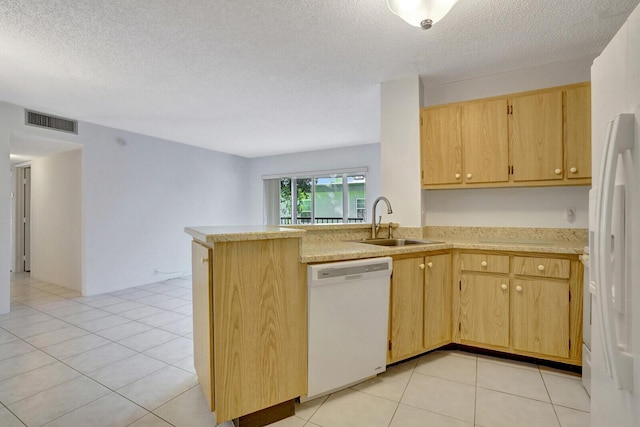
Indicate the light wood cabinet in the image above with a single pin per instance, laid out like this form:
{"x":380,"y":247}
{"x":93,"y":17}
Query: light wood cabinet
{"x":441,"y":145}
{"x":250,"y":324}
{"x":420,"y":305}
{"x":537,"y":138}
{"x":521,"y":303}
{"x":484,"y":309}
{"x":542,"y":267}
{"x":437,"y":301}
{"x":485,"y":142}
{"x":407,"y":308}
{"x":540,"y":316}
{"x":578,"y":132}
{"x":535,"y":133}
{"x":484,"y":262}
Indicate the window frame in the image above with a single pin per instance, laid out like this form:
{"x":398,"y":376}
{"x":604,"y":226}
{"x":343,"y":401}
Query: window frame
{"x":313,"y":175}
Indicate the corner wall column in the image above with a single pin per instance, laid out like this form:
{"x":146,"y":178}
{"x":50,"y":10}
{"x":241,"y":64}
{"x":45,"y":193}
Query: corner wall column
{"x":400,"y":102}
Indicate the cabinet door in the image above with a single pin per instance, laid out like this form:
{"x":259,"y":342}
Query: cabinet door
{"x":441,"y":145}
{"x":536,"y":137}
{"x":437,"y":300}
{"x":540,"y":317}
{"x":485,"y":141}
{"x":578,"y":132}
{"x":484,"y":309}
{"x":201,"y":280}
{"x":406,"y":317}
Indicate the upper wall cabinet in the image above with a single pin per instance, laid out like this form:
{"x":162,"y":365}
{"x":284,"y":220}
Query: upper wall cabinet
{"x":578,"y":132}
{"x":441,"y":145}
{"x":538,"y":138}
{"x":486,"y":157}
{"x":535,"y":132}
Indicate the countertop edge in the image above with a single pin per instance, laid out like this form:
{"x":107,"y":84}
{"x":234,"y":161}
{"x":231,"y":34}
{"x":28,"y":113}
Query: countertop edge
{"x":238,"y":234}
{"x":375,"y":251}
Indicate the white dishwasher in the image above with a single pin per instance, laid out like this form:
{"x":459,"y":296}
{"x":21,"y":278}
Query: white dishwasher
{"x":348,"y":323}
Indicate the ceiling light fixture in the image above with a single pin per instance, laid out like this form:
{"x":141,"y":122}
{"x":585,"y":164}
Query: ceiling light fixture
{"x":421,"y":13}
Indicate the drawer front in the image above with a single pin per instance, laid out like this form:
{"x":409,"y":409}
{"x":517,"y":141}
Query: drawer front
{"x":542,"y":267}
{"x":485,"y":263}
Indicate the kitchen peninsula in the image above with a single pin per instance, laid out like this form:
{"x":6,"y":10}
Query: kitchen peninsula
{"x":249,"y":321}
{"x":502,"y":289}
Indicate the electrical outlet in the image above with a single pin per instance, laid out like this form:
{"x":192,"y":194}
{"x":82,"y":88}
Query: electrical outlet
{"x":155,"y":271}
{"x":570,"y":214}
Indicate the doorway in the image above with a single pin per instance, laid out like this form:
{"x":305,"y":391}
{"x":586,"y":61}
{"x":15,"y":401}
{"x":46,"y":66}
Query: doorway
{"x":23,"y":219}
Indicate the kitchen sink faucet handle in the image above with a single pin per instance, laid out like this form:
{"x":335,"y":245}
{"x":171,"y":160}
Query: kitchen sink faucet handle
{"x":391,"y":226}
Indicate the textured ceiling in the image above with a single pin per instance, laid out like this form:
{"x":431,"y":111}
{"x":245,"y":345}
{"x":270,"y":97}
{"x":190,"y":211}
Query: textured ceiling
{"x":259,"y":77}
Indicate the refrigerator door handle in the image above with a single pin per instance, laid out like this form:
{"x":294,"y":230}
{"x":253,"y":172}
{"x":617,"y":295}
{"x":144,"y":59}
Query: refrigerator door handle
{"x":619,"y":363}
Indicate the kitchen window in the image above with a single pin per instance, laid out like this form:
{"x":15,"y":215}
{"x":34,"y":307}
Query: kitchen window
{"x":324,"y":197}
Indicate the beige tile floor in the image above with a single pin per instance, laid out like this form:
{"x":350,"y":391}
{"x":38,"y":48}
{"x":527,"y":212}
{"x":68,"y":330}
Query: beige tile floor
{"x":125,"y":359}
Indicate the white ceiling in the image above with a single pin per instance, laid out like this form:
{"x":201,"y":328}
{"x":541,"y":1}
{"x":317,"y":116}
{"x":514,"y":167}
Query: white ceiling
{"x":260,"y":77}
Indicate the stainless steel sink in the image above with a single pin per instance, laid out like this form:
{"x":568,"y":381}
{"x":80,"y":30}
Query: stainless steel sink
{"x":397,"y":242}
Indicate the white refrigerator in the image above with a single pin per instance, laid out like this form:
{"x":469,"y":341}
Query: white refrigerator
{"x":614,"y":238}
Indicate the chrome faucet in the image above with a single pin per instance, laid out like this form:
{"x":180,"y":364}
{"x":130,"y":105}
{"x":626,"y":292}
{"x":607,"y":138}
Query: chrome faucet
{"x":375,"y":227}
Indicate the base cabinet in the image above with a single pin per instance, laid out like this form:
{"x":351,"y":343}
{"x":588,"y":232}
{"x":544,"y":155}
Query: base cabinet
{"x":407,"y":309}
{"x":437,"y":301}
{"x":250,"y":324}
{"x":519,"y":303}
{"x":420,"y":305}
{"x":540,"y":317}
{"x":202,"y":295}
{"x":484,"y":309}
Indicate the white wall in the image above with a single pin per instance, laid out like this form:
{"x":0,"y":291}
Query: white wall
{"x":547,"y":75}
{"x":508,"y":207}
{"x":523,"y":207}
{"x":6,"y":117}
{"x":56,"y":211}
{"x":137,"y":199}
{"x":337,"y":158}
{"x":400,"y":148}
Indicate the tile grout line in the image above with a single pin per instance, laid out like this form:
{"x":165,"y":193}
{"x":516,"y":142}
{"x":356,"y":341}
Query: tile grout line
{"x":15,"y":415}
{"x":475,"y":394}
{"x":403,"y":392}
{"x":87,"y":375}
{"x":550,"y":400}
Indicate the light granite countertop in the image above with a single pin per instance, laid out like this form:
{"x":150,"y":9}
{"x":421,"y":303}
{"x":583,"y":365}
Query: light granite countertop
{"x":331,"y":249}
{"x":212,"y":234}
{"x":338,"y":251}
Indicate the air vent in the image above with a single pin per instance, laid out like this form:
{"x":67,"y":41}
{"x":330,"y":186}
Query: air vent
{"x":33,"y":118}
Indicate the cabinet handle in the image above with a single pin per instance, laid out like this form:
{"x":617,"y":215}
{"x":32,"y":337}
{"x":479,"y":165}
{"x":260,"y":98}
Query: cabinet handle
{"x":519,"y":288}
{"x":504,"y":287}
{"x":457,"y":176}
{"x":204,"y":260}
{"x":483,"y":263}
{"x":541,"y":267}
{"x":430,"y":264}
{"x":558,"y":171}
{"x":574,"y":170}
{"x":421,"y":266}
{"x":469,"y":176}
